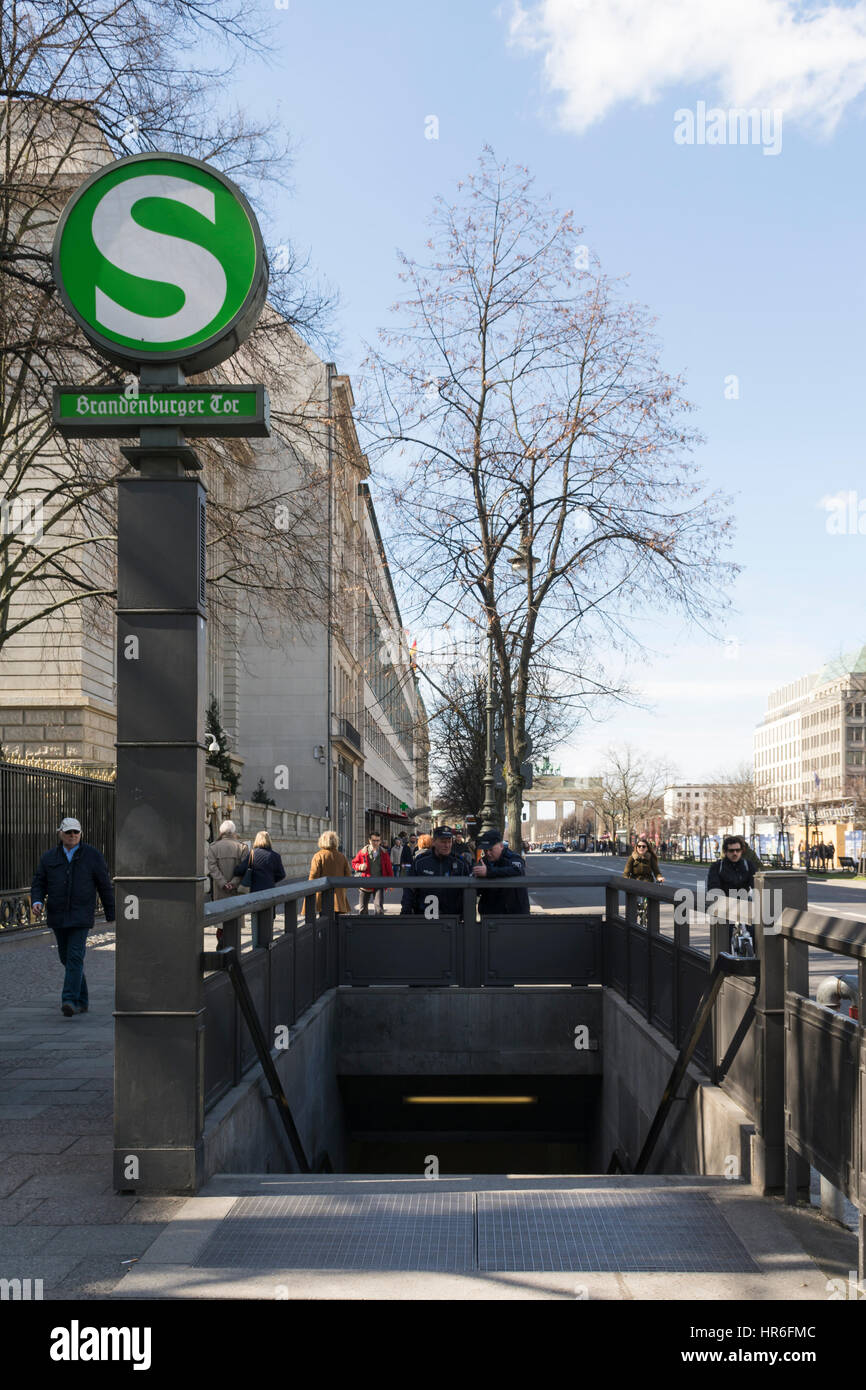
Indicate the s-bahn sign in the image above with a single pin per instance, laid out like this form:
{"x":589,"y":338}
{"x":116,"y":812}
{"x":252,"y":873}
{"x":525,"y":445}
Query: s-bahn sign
{"x":82,"y":412}
{"x":159,"y":259}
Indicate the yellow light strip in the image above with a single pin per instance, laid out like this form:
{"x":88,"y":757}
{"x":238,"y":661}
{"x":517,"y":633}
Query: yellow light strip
{"x":470,"y":1100}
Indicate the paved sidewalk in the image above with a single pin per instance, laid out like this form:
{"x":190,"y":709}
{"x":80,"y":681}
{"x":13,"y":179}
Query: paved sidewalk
{"x":60,"y":1220}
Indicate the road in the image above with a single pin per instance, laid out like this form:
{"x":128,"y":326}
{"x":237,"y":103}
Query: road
{"x":836,"y":897}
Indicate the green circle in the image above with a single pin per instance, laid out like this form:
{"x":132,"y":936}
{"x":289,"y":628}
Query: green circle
{"x":159,"y":231}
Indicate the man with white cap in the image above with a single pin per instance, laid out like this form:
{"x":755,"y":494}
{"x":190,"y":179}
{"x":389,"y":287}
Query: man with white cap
{"x":65,"y":884}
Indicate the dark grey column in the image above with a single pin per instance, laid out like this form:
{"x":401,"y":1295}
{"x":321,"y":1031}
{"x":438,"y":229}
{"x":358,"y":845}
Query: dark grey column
{"x":775,"y":890}
{"x":159,"y":1036}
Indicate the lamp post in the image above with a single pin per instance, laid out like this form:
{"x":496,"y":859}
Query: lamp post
{"x":488,"y":810}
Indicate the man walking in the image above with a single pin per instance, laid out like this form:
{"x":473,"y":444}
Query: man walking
{"x":65,"y":884}
{"x":410,"y":849}
{"x":373,"y":861}
{"x":223,"y":857}
{"x":500,"y":864}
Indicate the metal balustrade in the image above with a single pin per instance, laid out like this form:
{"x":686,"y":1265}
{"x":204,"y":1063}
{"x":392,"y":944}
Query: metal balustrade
{"x":825,"y":1067}
{"x":290,"y":961}
{"x":803,"y":1086}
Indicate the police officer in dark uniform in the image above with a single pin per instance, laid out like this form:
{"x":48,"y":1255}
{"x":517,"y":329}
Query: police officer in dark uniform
{"x":501,"y":864}
{"x":438,"y":862}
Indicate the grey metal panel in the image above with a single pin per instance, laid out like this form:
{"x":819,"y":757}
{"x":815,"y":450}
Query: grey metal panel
{"x":616,"y":1231}
{"x":821,"y":1086}
{"x":282,"y":981}
{"x":161,"y":1056}
{"x":398,"y":950}
{"x":161,"y":568}
{"x":153,"y":704}
{"x":160,"y":811}
{"x":427,"y":1230}
{"x":305,"y":968}
{"x":255,"y":968}
{"x":693,"y":972}
{"x":638,"y":958}
{"x":166,"y":925}
{"x":524,"y":949}
{"x":321,"y":955}
{"x":734,"y":1031}
{"x":615,"y":955}
{"x":662,"y":964}
{"x":220,"y":1023}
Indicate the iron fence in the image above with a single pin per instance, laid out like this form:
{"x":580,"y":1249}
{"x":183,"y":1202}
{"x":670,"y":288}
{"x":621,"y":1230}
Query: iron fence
{"x":825,"y":1066}
{"x":33,"y":801}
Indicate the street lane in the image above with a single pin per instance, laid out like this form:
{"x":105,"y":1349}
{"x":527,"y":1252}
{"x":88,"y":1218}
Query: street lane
{"x":836,"y":898}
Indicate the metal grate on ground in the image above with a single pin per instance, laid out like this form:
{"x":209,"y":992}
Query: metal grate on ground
{"x":424,"y":1231}
{"x":616,"y":1232}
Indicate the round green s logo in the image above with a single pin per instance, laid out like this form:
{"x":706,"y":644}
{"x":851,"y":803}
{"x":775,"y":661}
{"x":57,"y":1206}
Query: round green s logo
{"x":159,"y":258}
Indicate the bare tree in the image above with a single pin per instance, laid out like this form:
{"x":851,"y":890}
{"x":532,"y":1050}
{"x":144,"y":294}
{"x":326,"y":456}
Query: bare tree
{"x":733,"y":794}
{"x":632,"y":785}
{"x":543,"y":470}
{"x":458,"y":728}
{"x":82,"y":82}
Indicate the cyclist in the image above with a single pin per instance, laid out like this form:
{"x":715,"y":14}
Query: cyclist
{"x":642,"y":863}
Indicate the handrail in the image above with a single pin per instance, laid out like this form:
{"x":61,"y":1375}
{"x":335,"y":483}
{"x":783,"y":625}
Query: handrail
{"x":725,"y":965}
{"x":842,"y":935}
{"x":226,"y":908}
{"x":226,"y":959}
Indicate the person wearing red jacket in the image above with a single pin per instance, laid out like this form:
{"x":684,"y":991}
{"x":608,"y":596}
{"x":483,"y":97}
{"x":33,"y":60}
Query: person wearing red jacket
{"x":374,"y":861}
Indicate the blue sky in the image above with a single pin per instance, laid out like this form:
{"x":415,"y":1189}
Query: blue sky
{"x":752,"y":262}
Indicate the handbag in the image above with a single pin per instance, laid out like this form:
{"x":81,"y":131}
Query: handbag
{"x":247,"y":880}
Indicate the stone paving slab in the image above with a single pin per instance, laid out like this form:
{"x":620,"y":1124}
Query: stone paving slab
{"x":60,"y":1219}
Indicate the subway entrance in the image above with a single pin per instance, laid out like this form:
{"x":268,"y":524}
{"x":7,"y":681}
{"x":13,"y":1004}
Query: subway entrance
{"x":458,"y":1124}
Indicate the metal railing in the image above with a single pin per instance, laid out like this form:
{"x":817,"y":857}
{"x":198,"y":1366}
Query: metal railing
{"x":348,"y":732}
{"x":662,"y":977}
{"x":723,"y":1024}
{"x":292,"y":959}
{"x":825,"y":1067}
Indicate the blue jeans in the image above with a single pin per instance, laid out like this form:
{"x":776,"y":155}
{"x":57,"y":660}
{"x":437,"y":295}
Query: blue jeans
{"x":71,"y":945}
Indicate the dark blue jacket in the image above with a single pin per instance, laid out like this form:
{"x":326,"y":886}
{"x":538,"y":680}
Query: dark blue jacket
{"x":429,"y":865}
{"x":68,"y":888}
{"x":267,"y":869}
{"x":512,"y":896}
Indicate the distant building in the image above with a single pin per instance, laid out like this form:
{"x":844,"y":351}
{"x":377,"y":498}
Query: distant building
{"x":810,"y":750}
{"x":691,"y":803}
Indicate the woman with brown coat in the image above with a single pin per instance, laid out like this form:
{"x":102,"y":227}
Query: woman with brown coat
{"x":330,"y":863}
{"x":642,"y":863}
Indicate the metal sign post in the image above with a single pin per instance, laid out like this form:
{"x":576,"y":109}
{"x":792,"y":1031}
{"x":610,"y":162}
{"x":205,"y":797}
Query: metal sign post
{"x":159,"y":260}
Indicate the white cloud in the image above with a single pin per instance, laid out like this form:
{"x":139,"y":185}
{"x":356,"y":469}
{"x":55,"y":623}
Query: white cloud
{"x":804,"y":58}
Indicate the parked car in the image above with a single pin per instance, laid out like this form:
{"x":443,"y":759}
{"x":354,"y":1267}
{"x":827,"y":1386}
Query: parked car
{"x":558,"y":848}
